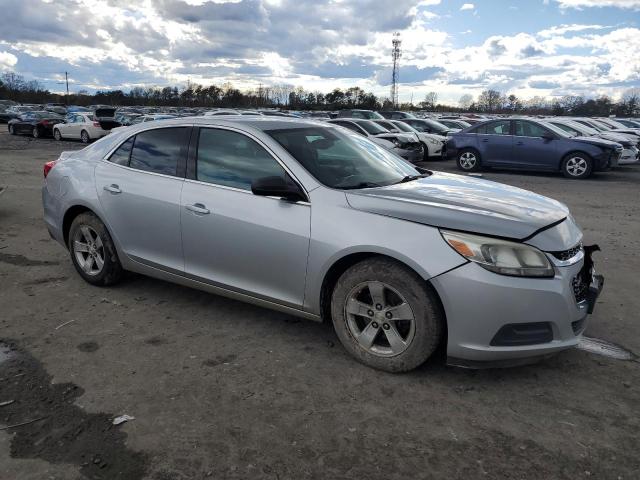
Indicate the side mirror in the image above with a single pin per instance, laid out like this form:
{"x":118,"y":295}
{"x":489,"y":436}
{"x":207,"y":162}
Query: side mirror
{"x":277,"y":186}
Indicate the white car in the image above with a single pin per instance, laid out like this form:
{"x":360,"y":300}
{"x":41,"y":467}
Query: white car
{"x":86,"y":126}
{"x":432,"y":143}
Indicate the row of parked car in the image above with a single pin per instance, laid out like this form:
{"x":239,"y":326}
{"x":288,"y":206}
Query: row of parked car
{"x":576,"y":147}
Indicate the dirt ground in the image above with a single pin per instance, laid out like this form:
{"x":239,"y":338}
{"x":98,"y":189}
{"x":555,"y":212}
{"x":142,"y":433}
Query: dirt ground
{"x":221,"y":389}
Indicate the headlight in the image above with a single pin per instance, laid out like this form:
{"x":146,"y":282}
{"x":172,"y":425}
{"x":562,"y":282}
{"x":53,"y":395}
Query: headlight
{"x":396,"y":142}
{"x":433,"y":141}
{"x":500,"y":256}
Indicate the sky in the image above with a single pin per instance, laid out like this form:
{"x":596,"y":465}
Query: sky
{"x":525,"y":47}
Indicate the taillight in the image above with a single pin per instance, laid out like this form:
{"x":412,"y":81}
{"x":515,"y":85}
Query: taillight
{"x":44,"y":123}
{"x":48,"y":166}
{"x":96,"y":124}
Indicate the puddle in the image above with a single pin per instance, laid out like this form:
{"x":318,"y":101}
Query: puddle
{"x":606,"y":349}
{"x":45,"y":423}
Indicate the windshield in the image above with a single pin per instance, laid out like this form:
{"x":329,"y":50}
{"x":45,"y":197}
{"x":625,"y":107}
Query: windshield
{"x":372,"y":128}
{"x":424,"y":125}
{"x":582,"y":129}
{"x":341,"y":159}
{"x":573,"y":132}
{"x":403,"y":127}
{"x":557,"y":130}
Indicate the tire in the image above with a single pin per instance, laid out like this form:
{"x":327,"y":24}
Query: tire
{"x":425,"y":157}
{"x":419,"y":337}
{"x":92,"y":251}
{"x":468,"y":160}
{"x":12,"y":131}
{"x":57,"y":135}
{"x":35,"y":133}
{"x":84,"y":136}
{"x":577,"y":166}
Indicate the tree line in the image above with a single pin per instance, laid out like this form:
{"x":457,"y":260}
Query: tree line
{"x":15,"y":87}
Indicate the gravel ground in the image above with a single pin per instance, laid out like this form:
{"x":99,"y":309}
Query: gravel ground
{"x":221,"y":389}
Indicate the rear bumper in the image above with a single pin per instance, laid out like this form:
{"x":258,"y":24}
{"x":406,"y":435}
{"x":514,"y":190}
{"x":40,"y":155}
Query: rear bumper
{"x":479,"y":303}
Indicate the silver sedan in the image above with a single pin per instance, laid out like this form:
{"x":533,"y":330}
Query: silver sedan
{"x":313,"y":220}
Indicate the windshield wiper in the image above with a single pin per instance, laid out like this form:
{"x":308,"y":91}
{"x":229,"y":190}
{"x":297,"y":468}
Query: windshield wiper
{"x":362,"y":185}
{"x":411,"y":178}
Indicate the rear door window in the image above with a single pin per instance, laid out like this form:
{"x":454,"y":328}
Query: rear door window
{"x":502,"y":127}
{"x":158,"y":150}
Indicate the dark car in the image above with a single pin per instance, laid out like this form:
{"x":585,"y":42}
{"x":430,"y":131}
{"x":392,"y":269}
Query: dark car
{"x":396,"y":115}
{"x":530,"y":145}
{"x":36,"y":124}
{"x":427,"y":125}
{"x":362,"y":114}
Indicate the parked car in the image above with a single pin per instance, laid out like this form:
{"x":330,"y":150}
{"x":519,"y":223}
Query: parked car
{"x":426,"y":125}
{"x":529,"y":144}
{"x":151,"y":118}
{"x":396,"y":115}
{"x":630,"y":152}
{"x":314,"y":220}
{"x":59,"y":108}
{"x":85,"y":126}
{"x":454,"y":124}
{"x":362,"y":114}
{"x":404,"y":145}
{"x":36,"y":124}
{"x":126,"y":118}
{"x":77,"y":109}
{"x":13,"y":111}
{"x":627,"y":122}
{"x":605,"y":127}
{"x":432,"y":144}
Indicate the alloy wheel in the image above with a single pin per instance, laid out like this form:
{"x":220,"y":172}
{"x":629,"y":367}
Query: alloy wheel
{"x":88,"y":250}
{"x":85,"y":137}
{"x":468,"y":160}
{"x":380,"y":319}
{"x":576,"y":166}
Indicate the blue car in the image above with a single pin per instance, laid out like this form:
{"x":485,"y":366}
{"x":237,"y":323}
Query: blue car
{"x":527,"y":144}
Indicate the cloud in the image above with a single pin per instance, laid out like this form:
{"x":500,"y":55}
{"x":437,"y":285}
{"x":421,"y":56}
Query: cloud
{"x":564,"y":29}
{"x":467,"y":6}
{"x":7,"y":60}
{"x":579,"y":4}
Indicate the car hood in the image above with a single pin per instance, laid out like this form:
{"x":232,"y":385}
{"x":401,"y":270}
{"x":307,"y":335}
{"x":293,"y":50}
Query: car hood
{"x":463,"y":203}
{"x":596,"y":141}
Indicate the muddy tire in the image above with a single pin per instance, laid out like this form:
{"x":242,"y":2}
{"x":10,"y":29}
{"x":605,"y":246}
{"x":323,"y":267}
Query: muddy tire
{"x":386,"y":316}
{"x":92,"y":251}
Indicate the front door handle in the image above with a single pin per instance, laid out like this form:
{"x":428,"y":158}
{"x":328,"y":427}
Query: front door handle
{"x":198,"y":208}
{"x":113,"y":188}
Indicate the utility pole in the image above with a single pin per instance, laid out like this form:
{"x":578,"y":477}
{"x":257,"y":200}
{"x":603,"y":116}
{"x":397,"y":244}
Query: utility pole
{"x":396,"y":53}
{"x":66,"y":79}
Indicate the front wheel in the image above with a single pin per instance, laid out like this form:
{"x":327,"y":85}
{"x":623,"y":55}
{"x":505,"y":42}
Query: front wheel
{"x":577,"y":166}
{"x":468,"y":160}
{"x":386,"y":316}
{"x":57,"y":135}
{"x":93,"y":252}
{"x":12,"y":130}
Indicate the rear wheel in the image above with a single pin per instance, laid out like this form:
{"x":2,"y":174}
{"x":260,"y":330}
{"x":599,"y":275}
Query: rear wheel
{"x":385,"y":315}
{"x":57,"y":135}
{"x":92,"y":251}
{"x":468,"y":160}
{"x":84,"y":136}
{"x":35,"y":132}
{"x":577,"y":166}
{"x":12,"y":130}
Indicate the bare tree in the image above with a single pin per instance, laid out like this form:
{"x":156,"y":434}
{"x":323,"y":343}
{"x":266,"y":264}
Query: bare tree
{"x":465,"y":101}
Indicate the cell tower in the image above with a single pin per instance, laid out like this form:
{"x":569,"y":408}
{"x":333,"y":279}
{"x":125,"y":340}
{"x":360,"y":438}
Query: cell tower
{"x":396,"y":53}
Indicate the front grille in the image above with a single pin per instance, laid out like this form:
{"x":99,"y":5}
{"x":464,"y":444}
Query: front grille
{"x":565,"y":255}
{"x":580,"y":288}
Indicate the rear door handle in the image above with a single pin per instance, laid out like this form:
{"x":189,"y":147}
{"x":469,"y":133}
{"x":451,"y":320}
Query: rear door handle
{"x":198,"y":208}
{"x":113,"y":188}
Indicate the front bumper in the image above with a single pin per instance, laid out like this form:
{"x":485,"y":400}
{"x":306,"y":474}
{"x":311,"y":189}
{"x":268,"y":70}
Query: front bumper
{"x":629,"y":155}
{"x":413,"y":155}
{"x":479,"y":303}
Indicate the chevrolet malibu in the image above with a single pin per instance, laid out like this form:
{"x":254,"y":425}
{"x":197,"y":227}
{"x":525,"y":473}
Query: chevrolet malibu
{"x":313,"y":220}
